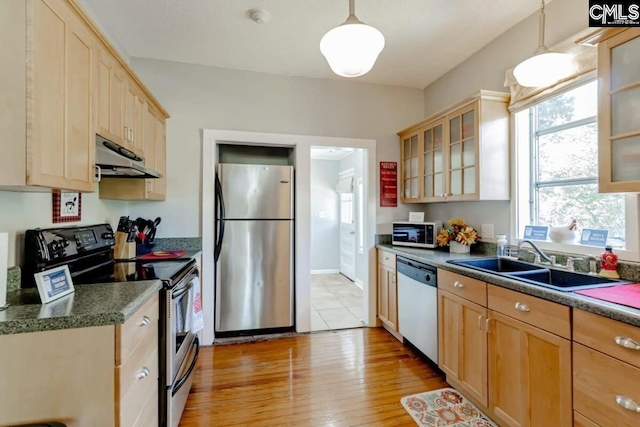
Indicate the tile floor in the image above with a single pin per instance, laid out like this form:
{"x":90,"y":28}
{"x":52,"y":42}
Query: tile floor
{"x":336,"y":303}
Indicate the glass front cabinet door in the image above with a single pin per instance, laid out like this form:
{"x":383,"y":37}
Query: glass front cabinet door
{"x":461,"y":169}
{"x":619,"y":113}
{"x":410,"y":153}
{"x":433,"y":175}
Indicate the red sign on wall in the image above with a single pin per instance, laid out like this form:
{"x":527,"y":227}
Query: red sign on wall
{"x":388,"y":184}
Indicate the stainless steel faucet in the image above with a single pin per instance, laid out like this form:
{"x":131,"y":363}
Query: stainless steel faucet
{"x":537,"y":249}
{"x":593,"y":264}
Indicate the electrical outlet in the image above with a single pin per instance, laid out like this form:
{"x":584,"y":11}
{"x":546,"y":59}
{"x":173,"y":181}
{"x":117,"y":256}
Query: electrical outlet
{"x":487,"y":231}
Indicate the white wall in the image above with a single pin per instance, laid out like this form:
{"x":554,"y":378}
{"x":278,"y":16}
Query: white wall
{"x":22,"y":211}
{"x":325,"y":232}
{"x":486,"y":70}
{"x":200,"y":97}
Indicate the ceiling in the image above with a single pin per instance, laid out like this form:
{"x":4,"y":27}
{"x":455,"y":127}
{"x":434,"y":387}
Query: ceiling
{"x":330,"y":153}
{"x":424,"y":38}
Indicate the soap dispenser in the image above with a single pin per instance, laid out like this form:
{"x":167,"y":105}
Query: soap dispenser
{"x":609,"y":264}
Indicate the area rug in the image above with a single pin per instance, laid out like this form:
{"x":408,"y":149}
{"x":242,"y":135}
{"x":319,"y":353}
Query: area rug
{"x":444,"y":408}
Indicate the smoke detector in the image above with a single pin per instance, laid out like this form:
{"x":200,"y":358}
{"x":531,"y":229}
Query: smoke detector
{"x":259,"y":16}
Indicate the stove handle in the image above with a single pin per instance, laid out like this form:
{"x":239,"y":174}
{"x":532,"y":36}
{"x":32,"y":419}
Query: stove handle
{"x":184,"y":378}
{"x":179,"y":292}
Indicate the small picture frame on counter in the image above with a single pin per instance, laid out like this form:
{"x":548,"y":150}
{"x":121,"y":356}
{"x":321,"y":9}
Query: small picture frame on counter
{"x":54,"y":283}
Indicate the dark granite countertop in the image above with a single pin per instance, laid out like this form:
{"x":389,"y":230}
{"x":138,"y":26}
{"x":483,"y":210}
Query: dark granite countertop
{"x":90,"y":305}
{"x":439,"y":258}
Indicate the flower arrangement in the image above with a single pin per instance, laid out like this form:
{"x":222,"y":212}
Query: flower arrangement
{"x":461,"y":233}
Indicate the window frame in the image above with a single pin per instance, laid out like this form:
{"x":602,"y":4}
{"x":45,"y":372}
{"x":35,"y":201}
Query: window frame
{"x":522,"y":190}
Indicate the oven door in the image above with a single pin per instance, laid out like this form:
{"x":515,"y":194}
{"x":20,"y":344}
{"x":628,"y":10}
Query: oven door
{"x":179,"y":337}
{"x":178,"y":393}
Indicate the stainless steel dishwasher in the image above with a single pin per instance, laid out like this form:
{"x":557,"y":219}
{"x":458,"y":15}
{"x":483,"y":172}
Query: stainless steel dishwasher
{"x":418,"y":306}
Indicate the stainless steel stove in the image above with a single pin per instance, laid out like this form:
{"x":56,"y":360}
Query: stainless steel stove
{"x":88,"y":252}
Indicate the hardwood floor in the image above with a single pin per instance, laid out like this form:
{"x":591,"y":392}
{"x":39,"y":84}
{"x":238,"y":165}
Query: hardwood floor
{"x":341,"y":378}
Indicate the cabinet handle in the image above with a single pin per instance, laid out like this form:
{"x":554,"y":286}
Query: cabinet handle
{"x":144,"y":372}
{"x":99,"y":173}
{"x":386,"y":258}
{"x":148,"y":186}
{"x":480,"y":322}
{"x":145,"y":321}
{"x":126,"y":133}
{"x":132,"y":135}
{"x":487,"y":325}
{"x":522,"y":307}
{"x":627,"y":403}
{"x":627,"y":343}
{"x":458,"y":285}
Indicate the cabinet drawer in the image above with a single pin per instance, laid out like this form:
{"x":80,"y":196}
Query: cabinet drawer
{"x":598,"y":382}
{"x":546,"y":315}
{"x":136,"y":379}
{"x":462,"y":286}
{"x":136,"y":328}
{"x":580,"y":420}
{"x":148,"y":416}
{"x":609,"y":336}
{"x":387,"y":259}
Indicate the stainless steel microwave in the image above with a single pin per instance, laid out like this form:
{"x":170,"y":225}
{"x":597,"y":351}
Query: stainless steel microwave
{"x":416,"y":234}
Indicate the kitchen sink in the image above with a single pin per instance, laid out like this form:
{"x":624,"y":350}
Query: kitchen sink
{"x":534,"y":274}
{"x":496,"y":265}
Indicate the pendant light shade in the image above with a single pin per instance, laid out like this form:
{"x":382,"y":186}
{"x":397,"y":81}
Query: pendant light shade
{"x":545,"y":67}
{"x":352,"y":48}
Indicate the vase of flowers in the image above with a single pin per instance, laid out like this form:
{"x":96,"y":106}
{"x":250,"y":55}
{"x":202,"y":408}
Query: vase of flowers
{"x":459,"y":237}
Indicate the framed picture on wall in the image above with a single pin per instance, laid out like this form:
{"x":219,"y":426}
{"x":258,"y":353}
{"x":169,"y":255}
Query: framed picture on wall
{"x":66,"y":206}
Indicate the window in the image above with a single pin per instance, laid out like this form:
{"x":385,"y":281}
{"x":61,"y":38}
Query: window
{"x":558,"y":166}
{"x":346,"y":208}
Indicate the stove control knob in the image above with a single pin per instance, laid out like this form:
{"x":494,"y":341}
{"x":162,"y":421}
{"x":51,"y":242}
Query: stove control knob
{"x":107,"y":235}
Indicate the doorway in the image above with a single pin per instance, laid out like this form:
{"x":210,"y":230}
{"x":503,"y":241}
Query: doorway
{"x":337,"y":263}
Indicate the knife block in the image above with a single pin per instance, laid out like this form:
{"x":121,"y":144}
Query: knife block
{"x":124,"y":249}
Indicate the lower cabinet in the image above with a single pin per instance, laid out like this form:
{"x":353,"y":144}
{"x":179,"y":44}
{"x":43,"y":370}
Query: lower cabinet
{"x":102,"y":376}
{"x":529,"y":374}
{"x":388,"y":293}
{"x":606,"y":370}
{"x":513,"y":357}
{"x":462,"y":350}
{"x":580,"y":420}
{"x":529,"y":366}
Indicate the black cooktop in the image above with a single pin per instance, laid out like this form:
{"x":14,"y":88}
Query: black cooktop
{"x":127,"y":271}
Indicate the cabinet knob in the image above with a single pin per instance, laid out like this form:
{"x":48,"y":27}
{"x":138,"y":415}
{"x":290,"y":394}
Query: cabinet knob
{"x":627,"y":403}
{"x":627,"y":343}
{"x":145,"y":321}
{"x":522,"y":307}
{"x":386,"y":258}
{"x":144,"y":372}
{"x":458,"y":285}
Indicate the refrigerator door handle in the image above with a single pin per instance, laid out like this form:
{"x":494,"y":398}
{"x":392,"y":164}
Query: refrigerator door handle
{"x":220,"y":222}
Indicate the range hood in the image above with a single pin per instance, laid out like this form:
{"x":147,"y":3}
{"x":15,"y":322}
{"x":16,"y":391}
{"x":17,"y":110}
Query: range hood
{"x":116,"y":161}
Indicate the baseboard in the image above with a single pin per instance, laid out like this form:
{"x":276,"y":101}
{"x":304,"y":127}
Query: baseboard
{"x":359,"y":283}
{"x":330,"y":271}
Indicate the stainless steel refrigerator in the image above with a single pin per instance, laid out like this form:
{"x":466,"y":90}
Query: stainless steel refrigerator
{"x":254,"y":247}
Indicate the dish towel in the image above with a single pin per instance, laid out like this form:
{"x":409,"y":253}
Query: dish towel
{"x":628,"y":295}
{"x":195,"y":302}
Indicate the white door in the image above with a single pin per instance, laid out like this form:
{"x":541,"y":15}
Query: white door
{"x":347,"y":236}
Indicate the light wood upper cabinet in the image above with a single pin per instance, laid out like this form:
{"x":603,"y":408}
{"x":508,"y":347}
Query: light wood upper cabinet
{"x":410,"y":149}
{"x":49,"y":102}
{"x":463,"y":152}
{"x":619,"y":113}
{"x":111,"y":98}
{"x":434,"y":162}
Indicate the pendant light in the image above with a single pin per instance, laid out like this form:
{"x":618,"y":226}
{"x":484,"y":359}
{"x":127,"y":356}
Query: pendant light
{"x":352,"y":48}
{"x":544,"y":67}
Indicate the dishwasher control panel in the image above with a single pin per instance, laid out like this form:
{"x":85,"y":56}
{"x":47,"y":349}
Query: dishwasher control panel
{"x":422,"y":273}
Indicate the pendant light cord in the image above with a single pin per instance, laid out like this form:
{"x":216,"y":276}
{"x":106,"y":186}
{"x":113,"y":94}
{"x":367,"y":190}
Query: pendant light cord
{"x":352,"y":7}
{"x":541,"y":29}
